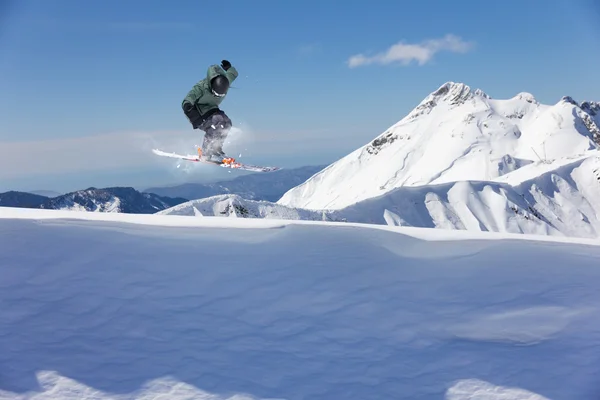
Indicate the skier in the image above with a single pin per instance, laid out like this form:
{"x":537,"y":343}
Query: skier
{"x":201,"y":107}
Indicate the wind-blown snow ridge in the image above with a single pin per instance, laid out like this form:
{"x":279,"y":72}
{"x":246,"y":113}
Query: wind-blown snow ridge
{"x":455,"y":134}
{"x":54,"y":386}
{"x":476,"y":389}
{"x":121,"y":306}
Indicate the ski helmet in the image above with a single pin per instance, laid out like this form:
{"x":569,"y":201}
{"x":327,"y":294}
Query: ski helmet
{"x":219,"y":85}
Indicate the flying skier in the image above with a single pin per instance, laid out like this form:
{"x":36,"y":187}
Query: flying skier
{"x":201,"y":107}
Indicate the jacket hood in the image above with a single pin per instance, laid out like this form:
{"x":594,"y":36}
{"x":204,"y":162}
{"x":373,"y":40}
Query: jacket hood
{"x":213,"y":71}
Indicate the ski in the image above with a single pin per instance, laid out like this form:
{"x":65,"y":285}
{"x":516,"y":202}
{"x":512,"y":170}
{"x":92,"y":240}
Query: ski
{"x":226,"y":163}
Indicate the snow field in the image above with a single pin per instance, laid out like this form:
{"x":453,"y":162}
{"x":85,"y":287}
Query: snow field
{"x":115,"y":306}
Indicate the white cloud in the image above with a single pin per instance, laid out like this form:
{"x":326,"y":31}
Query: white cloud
{"x":405,"y":53}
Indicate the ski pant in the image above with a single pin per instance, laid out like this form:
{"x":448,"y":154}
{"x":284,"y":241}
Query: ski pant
{"x":216,"y":125}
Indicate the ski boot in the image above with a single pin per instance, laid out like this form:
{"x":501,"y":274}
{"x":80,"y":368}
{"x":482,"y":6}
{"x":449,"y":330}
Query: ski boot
{"x":214,"y":156}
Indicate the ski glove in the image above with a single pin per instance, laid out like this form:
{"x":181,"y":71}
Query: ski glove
{"x":225,"y":64}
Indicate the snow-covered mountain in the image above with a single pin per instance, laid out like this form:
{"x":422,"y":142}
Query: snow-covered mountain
{"x":112,"y":199}
{"x":255,"y":186}
{"x":235,"y":206}
{"x":560,"y":198}
{"x":128,"y":306}
{"x":454,"y":134}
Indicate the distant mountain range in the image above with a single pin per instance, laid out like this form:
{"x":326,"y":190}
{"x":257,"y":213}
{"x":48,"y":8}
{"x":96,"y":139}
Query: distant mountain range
{"x":261,"y":186}
{"x":115,"y":199}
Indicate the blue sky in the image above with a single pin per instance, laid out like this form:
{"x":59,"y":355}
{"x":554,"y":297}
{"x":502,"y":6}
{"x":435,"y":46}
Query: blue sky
{"x":88,"y":88}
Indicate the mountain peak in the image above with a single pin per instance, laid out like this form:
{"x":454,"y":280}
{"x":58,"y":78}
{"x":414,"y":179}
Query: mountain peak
{"x":526,"y":96}
{"x":451,"y":93}
{"x":457,"y":92}
{"x":569,"y":99}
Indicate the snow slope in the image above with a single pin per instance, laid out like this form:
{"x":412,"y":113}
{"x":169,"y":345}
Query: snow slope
{"x":563,"y":201}
{"x":124,"y":306}
{"x":454,"y":134}
{"x":560,"y":198}
{"x":235,"y":206}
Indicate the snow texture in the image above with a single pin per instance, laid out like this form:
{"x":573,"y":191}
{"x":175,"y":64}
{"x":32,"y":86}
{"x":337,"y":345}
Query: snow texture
{"x":560,"y":198}
{"x":133,"y":306}
{"x":454,"y":134}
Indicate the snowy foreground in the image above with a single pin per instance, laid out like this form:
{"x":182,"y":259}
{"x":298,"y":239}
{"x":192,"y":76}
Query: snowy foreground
{"x":124,"y":306}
